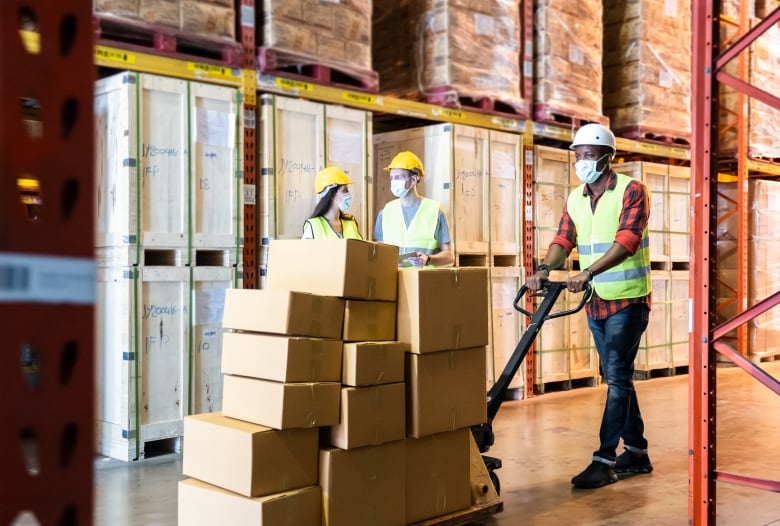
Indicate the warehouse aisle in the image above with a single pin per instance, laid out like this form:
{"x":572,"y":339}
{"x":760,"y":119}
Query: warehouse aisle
{"x":543,"y":442}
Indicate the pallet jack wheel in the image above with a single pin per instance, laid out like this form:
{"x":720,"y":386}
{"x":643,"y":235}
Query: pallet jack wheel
{"x":495,"y":481}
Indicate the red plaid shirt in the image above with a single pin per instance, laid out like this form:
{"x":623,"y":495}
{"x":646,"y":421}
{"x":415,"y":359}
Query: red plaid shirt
{"x":633,"y":220}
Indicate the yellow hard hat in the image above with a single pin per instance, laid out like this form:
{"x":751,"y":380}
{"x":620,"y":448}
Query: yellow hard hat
{"x":407,"y":161}
{"x":328,"y":177}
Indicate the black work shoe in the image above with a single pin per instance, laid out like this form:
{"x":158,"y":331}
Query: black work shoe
{"x":630,"y":462}
{"x":596,"y":475}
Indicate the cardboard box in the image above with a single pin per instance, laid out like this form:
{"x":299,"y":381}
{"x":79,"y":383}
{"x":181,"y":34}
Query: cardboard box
{"x":445,"y":391}
{"x":281,"y":358}
{"x":280,"y":405}
{"x":364,"y":486}
{"x":372,"y":363}
{"x":202,"y":504}
{"x":369,"y":416}
{"x":246,"y":458}
{"x":442,"y":309}
{"x":348,"y":268}
{"x":437,"y":475}
{"x":369,"y":320}
{"x":283,"y":312}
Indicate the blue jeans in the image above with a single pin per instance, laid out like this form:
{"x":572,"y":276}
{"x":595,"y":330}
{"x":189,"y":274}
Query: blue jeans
{"x":617,"y":341}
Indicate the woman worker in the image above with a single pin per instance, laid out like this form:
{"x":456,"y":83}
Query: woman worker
{"x":329,"y":219}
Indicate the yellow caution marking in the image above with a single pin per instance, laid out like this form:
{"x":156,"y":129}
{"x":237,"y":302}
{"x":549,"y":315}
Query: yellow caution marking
{"x":114,"y":55}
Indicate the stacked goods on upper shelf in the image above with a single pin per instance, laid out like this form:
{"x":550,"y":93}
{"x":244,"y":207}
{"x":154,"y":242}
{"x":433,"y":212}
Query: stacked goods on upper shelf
{"x":452,"y":52}
{"x":763,"y":260}
{"x":647,"y":68}
{"x":210,"y":18}
{"x":764,"y":119}
{"x":335,"y":35}
{"x":567,"y":60}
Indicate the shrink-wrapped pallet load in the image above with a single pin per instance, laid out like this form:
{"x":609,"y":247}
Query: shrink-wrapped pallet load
{"x":448,"y":50}
{"x":764,"y":119}
{"x":567,"y":60}
{"x":647,"y":68}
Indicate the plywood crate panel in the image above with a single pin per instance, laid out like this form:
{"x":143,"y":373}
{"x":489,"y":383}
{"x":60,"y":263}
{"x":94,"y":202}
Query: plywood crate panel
{"x":583,"y":358}
{"x":679,"y":212}
{"x":551,"y":349}
{"x":150,"y":112}
{"x":680,"y":317}
{"x":506,"y":189}
{"x":217,"y":181}
{"x":507,"y":323}
{"x":298,"y":138}
{"x":434,"y":146}
{"x":655,"y":349}
{"x":553,"y":180}
{"x":471,"y":181}
{"x":208,"y":302}
{"x":655,"y":176}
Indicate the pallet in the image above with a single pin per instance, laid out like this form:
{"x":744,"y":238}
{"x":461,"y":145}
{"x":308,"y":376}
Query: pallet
{"x":565,"y":385}
{"x":304,"y":68}
{"x":471,"y":260}
{"x":450,"y":97}
{"x":134,"y":35}
{"x":642,"y":133}
{"x":758,"y":359}
{"x":661,"y":372}
{"x":549,"y":114}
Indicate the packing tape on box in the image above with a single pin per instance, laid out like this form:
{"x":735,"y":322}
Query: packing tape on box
{"x":371,"y":282}
{"x":373,"y":252}
{"x":454,"y":415}
{"x":456,"y":336}
{"x":316,"y":370}
{"x":311,"y":420}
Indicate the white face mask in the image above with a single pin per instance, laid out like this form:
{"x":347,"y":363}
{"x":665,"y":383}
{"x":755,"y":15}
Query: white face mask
{"x":586,"y":169}
{"x":346,"y":201}
{"x":398,"y":188}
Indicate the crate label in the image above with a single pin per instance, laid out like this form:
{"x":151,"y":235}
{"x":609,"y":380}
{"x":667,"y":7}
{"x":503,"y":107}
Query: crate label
{"x":209,"y":306}
{"x":293,"y":85}
{"x":114,"y":55}
{"x":358,"y":97}
{"x":445,"y":112}
{"x":506,"y":124}
{"x":250,"y":194}
{"x":215,"y":128}
{"x":46,"y":279}
{"x":221,"y":72}
{"x":248,"y":16}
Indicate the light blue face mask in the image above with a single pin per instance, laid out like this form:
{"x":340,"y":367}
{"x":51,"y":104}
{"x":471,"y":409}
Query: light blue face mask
{"x":346,"y":201}
{"x":398,"y":188}
{"x":586,"y":169}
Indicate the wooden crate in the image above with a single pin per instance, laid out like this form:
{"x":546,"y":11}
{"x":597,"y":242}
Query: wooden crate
{"x":551,"y":350}
{"x":553,"y":181}
{"x":139,"y":110}
{"x":298,"y":138}
{"x":655,"y":349}
{"x":679,"y":213}
{"x":471,"y":188}
{"x":655,"y":176}
{"x":583,"y":358}
{"x":217,"y":181}
{"x":205,"y":372}
{"x":143,"y":335}
{"x":506,"y":191}
{"x":680,"y":316}
{"x":433,"y":145}
{"x":506,"y":324}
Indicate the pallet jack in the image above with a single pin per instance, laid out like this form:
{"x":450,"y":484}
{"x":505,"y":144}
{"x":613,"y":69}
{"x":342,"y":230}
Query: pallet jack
{"x":483,"y":434}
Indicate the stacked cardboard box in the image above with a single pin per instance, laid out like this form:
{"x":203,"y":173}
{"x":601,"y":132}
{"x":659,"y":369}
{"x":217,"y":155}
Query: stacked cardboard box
{"x":336,"y":34}
{"x":567,"y":59}
{"x":764,"y":119}
{"x":647,"y":72}
{"x":443,"y":317}
{"x":212,"y":18}
{"x":448,"y":49}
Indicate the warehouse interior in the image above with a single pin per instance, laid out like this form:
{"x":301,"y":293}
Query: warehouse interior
{"x":155,"y":186}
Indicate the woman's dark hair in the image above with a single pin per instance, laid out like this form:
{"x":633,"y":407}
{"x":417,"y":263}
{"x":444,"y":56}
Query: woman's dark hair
{"x":324,"y":204}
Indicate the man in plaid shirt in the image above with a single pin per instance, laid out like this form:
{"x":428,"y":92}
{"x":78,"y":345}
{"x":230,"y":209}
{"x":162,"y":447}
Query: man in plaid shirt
{"x":606,"y":219}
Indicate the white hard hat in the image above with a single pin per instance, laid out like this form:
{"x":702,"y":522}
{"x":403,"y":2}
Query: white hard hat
{"x":594,"y":135}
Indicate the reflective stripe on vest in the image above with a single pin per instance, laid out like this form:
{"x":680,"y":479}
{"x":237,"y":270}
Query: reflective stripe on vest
{"x":321,"y":229}
{"x":420,"y":236}
{"x":596,"y":234}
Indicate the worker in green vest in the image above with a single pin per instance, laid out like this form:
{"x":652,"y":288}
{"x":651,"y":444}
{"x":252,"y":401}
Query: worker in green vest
{"x":330,"y":219}
{"x":417,"y":225}
{"x":606,"y":218}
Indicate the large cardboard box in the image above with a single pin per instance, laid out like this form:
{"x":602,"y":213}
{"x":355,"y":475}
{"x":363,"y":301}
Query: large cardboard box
{"x":364,"y":486}
{"x":445,"y":391}
{"x":369,"y":416}
{"x":372,"y":363}
{"x":202,"y":504}
{"x":280,"y":405}
{"x":283,"y":312}
{"x":348,"y":268}
{"x":443,"y":309}
{"x":281,"y":358}
{"x":246,"y":458}
{"x":437,"y":475}
{"x":369,"y":320}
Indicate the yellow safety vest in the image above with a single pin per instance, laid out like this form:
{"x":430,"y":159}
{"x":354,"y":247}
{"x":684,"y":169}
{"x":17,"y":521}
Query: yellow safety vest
{"x":420,"y":235}
{"x":596,"y":234}
{"x":321,"y":228}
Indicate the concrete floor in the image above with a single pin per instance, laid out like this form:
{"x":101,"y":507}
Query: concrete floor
{"x":545,"y":440}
